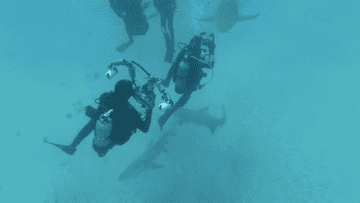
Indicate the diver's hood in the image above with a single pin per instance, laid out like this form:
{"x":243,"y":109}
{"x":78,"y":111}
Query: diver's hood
{"x":209,"y":41}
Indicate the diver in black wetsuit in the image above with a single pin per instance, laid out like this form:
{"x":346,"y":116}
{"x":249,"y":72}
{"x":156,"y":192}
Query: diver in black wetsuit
{"x":166,"y":8}
{"x":132,"y":12}
{"x":125,"y":120}
{"x":187,"y":72}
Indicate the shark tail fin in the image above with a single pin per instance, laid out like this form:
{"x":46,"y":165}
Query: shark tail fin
{"x":204,"y":110}
{"x":221,"y":122}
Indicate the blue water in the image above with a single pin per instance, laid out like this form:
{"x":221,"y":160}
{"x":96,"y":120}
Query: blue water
{"x":289,"y":81}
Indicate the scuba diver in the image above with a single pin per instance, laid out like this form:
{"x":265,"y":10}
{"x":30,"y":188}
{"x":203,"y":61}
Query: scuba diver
{"x":166,"y":8}
{"x":186,"y":71}
{"x":132,"y":12}
{"x":115,"y":119}
{"x":113,"y":122}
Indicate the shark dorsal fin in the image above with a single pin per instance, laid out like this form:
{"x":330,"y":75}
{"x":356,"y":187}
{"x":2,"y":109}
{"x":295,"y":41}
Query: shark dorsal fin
{"x":153,"y":166}
{"x":204,"y":110}
{"x":242,"y":18}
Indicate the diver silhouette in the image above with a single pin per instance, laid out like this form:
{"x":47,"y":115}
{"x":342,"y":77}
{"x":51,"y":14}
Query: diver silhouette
{"x":186,"y":71}
{"x":125,"y":119}
{"x":132,"y":12}
{"x":166,"y":8}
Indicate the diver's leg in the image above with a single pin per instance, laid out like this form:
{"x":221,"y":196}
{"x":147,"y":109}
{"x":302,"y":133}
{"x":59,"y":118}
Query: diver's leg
{"x":126,"y":45}
{"x":171,"y":27}
{"x":102,"y":151}
{"x":182,"y":101}
{"x":169,"y":52}
{"x":170,"y":41}
{"x":166,"y":81}
{"x":84,"y":132}
{"x":131,"y":39}
{"x":165,"y":31}
{"x":163,"y":26}
{"x":173,"y":69}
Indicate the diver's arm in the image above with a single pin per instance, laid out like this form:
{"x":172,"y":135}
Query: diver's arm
{"x":123,"y":62}
{"x":120,"y":62}
{"x":145,"y":125}
{"x":211,"y":62}
{"x":207,"y":64}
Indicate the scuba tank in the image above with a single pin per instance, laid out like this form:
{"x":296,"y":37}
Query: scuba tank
{"x":182,"y":79}
{"x":103,"y":129}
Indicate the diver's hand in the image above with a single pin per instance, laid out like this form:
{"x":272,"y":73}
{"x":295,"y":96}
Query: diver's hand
{"x":124,"y":46}
{"x":150,"y":107}
{"x":163,"y":106}
{"x":120,"y":62}
{"x":151,"y":104}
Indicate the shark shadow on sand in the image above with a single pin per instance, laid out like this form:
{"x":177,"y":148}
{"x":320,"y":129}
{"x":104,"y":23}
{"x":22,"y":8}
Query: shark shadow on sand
{"x":146,"y":162}
{"x":200,"y":117}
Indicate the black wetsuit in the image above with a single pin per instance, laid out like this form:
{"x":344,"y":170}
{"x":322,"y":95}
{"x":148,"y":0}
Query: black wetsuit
{"x":194,"y":73}
{"x":134,"y":19}
{"x":166,"y":7}
{"x":189,"y":81}
{"x":125,"y":119}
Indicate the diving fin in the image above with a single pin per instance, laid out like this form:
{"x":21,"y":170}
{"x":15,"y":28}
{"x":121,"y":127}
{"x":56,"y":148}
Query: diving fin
{"x":90,"y":111}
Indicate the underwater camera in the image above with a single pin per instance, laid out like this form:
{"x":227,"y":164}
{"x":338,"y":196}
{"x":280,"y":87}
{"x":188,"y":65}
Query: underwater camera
{"x":143,"y":94}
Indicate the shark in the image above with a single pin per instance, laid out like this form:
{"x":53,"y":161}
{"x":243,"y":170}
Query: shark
{"x":146,"y":161}
{"x":200,"y":117}
{"x":226,"y":15}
